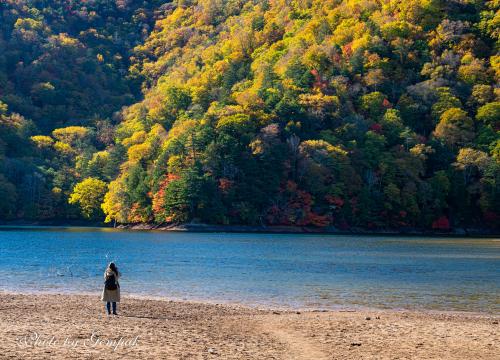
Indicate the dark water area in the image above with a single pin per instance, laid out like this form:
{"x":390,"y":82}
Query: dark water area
{"x":271,"y":270}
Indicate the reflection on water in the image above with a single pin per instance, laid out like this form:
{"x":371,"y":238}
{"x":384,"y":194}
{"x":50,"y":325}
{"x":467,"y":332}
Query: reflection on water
{"x":307,"y":271}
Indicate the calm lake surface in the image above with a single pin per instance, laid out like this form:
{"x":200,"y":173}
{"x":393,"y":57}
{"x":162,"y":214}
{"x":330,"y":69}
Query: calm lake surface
{"x":273,"y":270}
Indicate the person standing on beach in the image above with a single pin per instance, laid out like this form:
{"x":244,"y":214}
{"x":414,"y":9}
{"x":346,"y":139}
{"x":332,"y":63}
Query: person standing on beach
{"x":111,"y":291}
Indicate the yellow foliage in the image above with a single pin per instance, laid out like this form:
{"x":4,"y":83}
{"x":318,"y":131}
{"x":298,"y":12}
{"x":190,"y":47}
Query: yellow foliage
{"x":70,"y":134}
{"x":64,"y":39}
{"x":175,"y":163}
{"x":136,"y":138}
{"x":138,"y":152}
{"x":180,"y":128}
{"x":323,"y":146}
{"x":42,"y":141}
{"x":99,"y":159}
{"x":113,"y":203}
{"x":348,"y":30}
{"x":157,"y":131}
{"x":471,"y":157}
{"x":63,"y":148}
{"x":88,"y":194}
{"x":495,"y":64}
{"x":319,"y":101}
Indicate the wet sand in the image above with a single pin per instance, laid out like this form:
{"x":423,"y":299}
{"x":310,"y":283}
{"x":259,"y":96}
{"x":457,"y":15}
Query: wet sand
{"x":75,"y":326}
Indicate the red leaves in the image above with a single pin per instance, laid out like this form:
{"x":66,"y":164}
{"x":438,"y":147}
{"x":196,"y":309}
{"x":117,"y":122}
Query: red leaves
{"x":441,"y":224}
{"x":159,"y":198}
{"x":319,"y":83}
{"x":333,"y":200}
{"x":297,"y":209}
{"x":376,"y":128}
{"x":318,"y":220}
{"x":387,"y":104}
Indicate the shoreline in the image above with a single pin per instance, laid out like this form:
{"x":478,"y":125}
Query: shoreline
{"x":182,"y":330}
{"x":208,"y":228}
{"x":254,"y":306}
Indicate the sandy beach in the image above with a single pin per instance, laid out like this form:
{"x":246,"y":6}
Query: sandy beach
{"x":75,"y":326}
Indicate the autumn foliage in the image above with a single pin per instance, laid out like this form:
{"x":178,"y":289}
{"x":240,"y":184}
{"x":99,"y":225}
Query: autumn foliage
{"x":355,"y":113}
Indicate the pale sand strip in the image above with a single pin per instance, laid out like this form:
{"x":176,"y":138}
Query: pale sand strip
{"x":181,"y":330}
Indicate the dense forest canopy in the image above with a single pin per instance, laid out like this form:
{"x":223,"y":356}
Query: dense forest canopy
{"x":355,"y":113}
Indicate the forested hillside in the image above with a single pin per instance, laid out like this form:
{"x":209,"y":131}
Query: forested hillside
{"x":62,"y":63}
{"x":356,"y":113}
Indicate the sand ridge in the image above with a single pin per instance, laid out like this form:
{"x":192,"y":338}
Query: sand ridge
{"x":187,"y":330}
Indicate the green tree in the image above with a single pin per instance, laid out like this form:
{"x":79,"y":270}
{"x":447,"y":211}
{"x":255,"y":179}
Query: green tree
{"x":489,"y":114}
{"x":455,"y":127}
{"x":373,"y":104}
{"x":446,"y":100}
{"x":8,"y":197}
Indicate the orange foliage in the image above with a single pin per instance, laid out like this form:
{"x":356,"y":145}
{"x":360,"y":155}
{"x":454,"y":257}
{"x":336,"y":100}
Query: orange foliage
{"x":347,"y":50}
{"x":137,"y":215}
{"x":297,"y":210}
{"x":159,"y":198}
{"x":225,"y":185}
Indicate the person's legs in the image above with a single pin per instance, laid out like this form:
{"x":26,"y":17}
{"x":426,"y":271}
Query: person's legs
{"x":114,"y":308}
{"x":108,"y":306}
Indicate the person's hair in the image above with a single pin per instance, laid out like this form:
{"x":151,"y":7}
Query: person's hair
{"x":113,"y":267}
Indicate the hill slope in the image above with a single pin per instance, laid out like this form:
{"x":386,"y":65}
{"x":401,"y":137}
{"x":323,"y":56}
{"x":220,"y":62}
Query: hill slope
{"x":345,"y":113}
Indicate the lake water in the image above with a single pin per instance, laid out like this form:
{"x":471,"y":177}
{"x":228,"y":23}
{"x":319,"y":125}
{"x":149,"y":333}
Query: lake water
{"x":272,"y":270}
